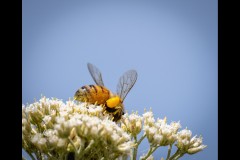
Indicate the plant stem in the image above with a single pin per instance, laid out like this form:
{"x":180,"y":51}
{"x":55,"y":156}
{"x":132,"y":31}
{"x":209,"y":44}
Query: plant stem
{"x":140,"y":140}
{"x":150,"y":151}
{"x":90,"y":145}
{"x":176,"y":155}
{"x":179,"y":156}
{"x":75,"y":149}
{"x":134,"y":157}
{"x":86,"y":150}
{"x":169,"y":151}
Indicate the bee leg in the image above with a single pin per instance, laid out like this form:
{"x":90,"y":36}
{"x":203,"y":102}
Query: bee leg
{"x":104,"y":109}
{"x":112,"y":118}
{"x":85,"y":103}
{"x":118,"y":109}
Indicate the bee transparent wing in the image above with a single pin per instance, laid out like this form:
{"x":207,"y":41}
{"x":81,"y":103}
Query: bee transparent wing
{"x":125,"y":83}
{"x":96,"y":74}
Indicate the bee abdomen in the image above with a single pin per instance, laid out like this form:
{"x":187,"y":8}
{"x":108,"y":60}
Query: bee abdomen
{"x":94,"y":94}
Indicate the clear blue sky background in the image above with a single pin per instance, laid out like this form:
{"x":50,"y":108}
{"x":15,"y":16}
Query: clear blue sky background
{"x":171,"y":44}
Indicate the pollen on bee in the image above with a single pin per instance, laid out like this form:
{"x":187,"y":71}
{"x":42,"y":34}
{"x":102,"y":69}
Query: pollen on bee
{"x":113,"y":102}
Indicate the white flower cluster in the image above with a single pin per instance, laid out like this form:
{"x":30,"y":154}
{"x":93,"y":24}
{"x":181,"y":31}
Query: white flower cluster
{"x":57,"y":129}
{"x":132,"y":123}
{"x":52,"y":129}
{"x":187,"y":144}
{"x":159,"y":133}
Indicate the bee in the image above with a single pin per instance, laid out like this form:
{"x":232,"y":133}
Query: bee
{"x":99,"y":94}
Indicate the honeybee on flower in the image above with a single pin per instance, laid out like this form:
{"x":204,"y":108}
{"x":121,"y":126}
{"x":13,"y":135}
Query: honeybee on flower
{"x":99,"y":94}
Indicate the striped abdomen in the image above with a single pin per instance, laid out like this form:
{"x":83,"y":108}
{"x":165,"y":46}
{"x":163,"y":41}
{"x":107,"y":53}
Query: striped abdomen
{"x":92,"y":94}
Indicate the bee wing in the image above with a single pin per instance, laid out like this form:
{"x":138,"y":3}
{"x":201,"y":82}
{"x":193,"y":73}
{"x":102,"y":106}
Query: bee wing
{"x":96,"y":74}
{"x":125,"y":83}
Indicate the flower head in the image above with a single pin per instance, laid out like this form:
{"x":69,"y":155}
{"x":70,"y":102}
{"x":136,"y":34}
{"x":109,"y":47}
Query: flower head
{"x":132,"y":123}
{"x":160,"y":133}
{"x":52,"y":129}
{"x":57,"y":128}
{"x":188,"y":144}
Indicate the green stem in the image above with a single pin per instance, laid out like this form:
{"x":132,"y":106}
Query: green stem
{"x":169,"y":151}
{"x":90,"y":145}
{"x":80,"y":149}
{"x":38,"y":154}
{"x":76,"y":154}
{"x":177,"y":153}
{"x":179,"y":156}
{"x":140,"y":140}
{"x":90,"y":156}
{"x":150,"y":151}
{"x":50,"y":156}
{"x":125,"y":157}
{"x":134,"y":157}
{"x":75,"y":149}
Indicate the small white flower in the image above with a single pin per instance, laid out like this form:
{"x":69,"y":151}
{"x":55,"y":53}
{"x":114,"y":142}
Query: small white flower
{"x":53,"y":140}
{"x":50,"y":133}
{"x":60,"y":120}
{"x":175,"y":125}
{"x":161,"y":129}
{"x":152,"y":131}
{"x":36,"y":138}
{"x":166,"y":130}
{"x":53,"y":113}
{"x":132,"y":123}
{"x":64,"y":114}
{"x":47,"y":119}
{"x":196,"y":149}
{"x":188,"y":144}
{"x":31,"y":109}
{"x":70,"y":104}
{"x":24,"y":121}
{"x":42,"y":141}
{"x":148,"y":118}
{"x":147,"y":114}
{"x":157,"y":138}
{"x":61,"y":142}
{"x":115,"y":138}
{"x":126,"y":147}
{"x":94,"y":130}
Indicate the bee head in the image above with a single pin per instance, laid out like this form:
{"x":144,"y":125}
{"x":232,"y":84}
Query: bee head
{"x":79,"y":94}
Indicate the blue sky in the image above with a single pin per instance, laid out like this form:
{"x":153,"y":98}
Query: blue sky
{"x":171,"y":44}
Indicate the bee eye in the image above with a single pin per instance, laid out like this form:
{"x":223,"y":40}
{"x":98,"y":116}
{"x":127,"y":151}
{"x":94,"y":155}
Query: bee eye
{"x":123,"y":112}
{"x":82,"y":89}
